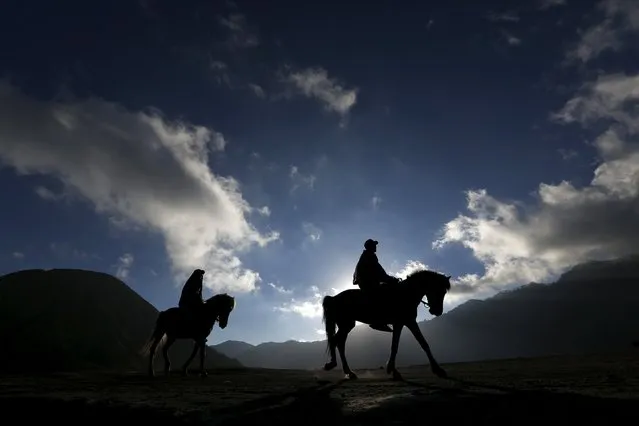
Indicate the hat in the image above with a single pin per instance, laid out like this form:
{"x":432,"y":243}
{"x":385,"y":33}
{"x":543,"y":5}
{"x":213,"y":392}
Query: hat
{"x":370,"y":243}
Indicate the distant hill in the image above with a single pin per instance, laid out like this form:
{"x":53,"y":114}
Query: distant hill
{"x":233,"y":348}
{"x":67,"y":319}
{"x":593,"y":307}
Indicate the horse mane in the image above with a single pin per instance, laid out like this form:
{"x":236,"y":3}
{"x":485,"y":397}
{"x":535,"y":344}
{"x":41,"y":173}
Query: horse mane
{"x":425,"y":274}
{"x":224,"y":298}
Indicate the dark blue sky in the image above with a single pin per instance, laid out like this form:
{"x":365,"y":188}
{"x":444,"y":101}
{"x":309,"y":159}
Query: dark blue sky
{"x":265,"y":141}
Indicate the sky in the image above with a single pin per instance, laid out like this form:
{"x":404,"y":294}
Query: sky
{"x":264,"y":142}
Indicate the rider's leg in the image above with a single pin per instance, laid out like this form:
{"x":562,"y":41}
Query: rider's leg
{"x":369,"y":288}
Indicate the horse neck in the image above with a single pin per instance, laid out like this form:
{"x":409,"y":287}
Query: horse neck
{"x":210,"y":310}
{"x":417,"y":290}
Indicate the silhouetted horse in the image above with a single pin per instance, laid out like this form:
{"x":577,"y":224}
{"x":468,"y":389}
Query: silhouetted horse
{"x":175,"y":323}
{"x":394,"y":304}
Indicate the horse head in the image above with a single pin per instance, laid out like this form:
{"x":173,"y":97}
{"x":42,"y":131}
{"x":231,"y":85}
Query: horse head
{"x":221,"y":305}
{"x":434,"y":286}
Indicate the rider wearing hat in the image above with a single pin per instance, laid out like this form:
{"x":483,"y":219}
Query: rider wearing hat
{"x":369,"y":274}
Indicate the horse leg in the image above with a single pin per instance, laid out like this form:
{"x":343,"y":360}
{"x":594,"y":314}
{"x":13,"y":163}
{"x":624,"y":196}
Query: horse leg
{"x":202,"y":345}
{"x":340,"y":339}
{"x":152,"y":349}
{"x":390,"y":365}
{"x":165,"y":353}
{"x":434,"y":365}
{"x":185,"y":367}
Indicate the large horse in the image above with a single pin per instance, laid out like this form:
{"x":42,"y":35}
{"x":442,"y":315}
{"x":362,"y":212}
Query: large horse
{"x":176,"y":323}
{"x":394,"y":304}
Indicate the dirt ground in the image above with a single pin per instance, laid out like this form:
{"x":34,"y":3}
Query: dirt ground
{"x":524,"y":391}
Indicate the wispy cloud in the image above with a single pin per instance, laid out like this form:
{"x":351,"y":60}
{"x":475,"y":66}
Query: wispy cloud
{"x":240,"y":35}
{"x":503,"y":17}
{"x":313,"y":233}
{"x":280,"y":289}
{"x":315,"y":83}
{"x":300,"y":180}
{"x":17,"y":255}
{"x":123,"y":266}
{"x":547,"y":4}
{"x":620,"y":17}
{"x":376,"y":201}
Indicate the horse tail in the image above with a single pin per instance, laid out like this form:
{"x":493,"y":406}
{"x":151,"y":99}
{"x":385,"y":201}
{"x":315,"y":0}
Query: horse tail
{"x":328,"y":319}
{"x":157,"y":335}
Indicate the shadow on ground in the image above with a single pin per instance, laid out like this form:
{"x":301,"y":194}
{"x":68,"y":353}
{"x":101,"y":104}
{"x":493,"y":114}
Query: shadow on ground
{"x":325,"y":404}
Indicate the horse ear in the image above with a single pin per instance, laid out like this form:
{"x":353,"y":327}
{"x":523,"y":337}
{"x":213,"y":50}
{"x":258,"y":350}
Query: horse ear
{"x":448,"y":277}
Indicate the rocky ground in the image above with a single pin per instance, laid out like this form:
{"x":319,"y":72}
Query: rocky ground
{"x":525,"y":391}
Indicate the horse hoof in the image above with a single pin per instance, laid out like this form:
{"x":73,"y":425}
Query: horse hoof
{"x":330,"y":365}
{"x":351,"y":376}
{"x":185,"y":373}
{"x":204,"y":374}
{"x":397,"y":377}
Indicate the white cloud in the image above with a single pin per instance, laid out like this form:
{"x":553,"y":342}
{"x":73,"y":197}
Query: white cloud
{"x":123,"y":266}
{"x":620,"y":17}
{"x":280,"y":289}
{"x":410,"y":267}
{"x":309,"y":308}
{"x":264,"y":211}
{"x":315,"y":83}
{"x":17,"y":255}
{"x":313,"y":233}
{"x":137,"y":167}
{"x":520,"y":243}
{"x":376,"y":201}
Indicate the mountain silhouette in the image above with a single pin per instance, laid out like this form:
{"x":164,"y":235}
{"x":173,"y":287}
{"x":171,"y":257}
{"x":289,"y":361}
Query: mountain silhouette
{"x":593,"y":307}
{"x":69,"y":319}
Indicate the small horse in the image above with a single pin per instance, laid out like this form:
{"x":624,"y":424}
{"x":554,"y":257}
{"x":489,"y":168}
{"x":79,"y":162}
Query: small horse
{"x":175,"y":323}
{"x":394,"y":304}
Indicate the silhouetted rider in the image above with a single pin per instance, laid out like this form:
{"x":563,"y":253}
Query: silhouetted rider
{"x":369,"y":274}
{"x":191,"y":297}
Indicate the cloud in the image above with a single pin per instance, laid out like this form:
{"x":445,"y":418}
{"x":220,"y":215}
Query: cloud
{"x":567,"y":154}
{"x":138,"y":168}
{"x":375,"y":202}
{"x":17,"y":255}
{"x":519,"y":243}
{"x":300,"y":179}
{"x":47,"y":194}
{"x":511,"y":39}
{"x":620,"y":17}
{"x":315,"y":83}
{"x":123,"y":266}
{"x":503,"y":17}
{"x":280,"y":289}
{"x":239,"y":34}
{"x":264,"y":211}
{"x":309,"y":308}
{"x":410,"y":267}
{"x":313,"y":233}
{"x":547,"y":4}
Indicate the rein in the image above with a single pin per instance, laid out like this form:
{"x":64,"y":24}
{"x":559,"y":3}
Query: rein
{"x":425,"y":303}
